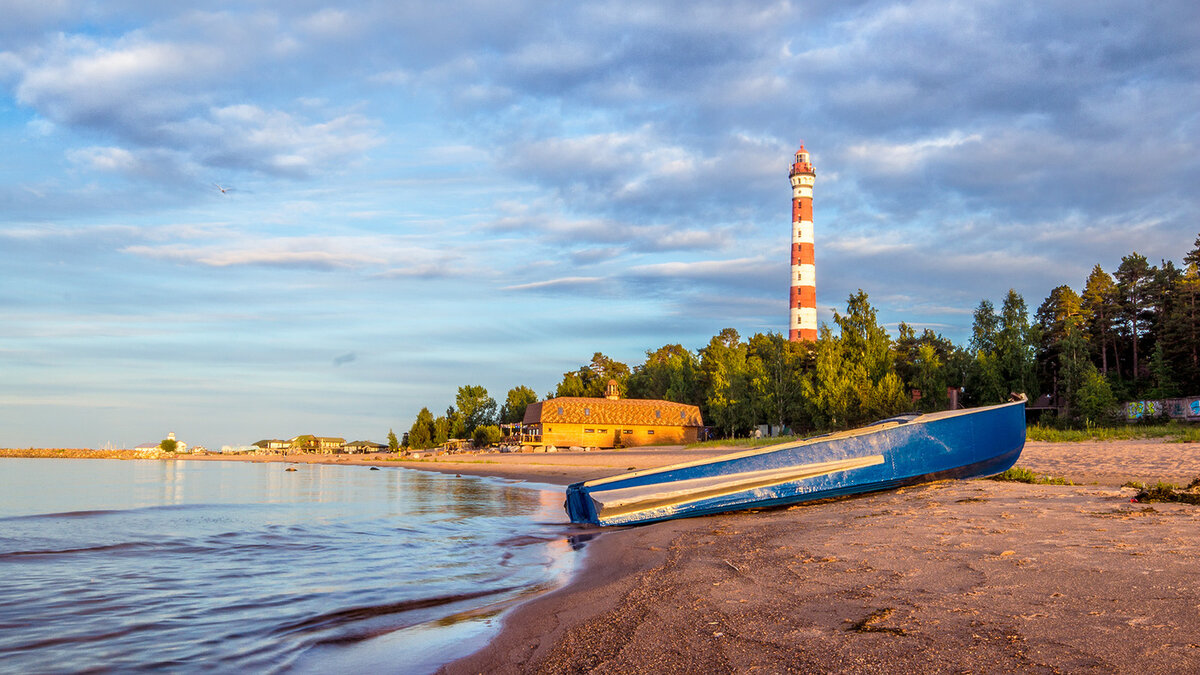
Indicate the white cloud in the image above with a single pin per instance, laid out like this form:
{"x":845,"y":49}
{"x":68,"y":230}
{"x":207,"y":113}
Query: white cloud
{"x":556,"y":284}
{"x":705,"y":269}
{"x":902,"y":158}
{"x":104,"y":159}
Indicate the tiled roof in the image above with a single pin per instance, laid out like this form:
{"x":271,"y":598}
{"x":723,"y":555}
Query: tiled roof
{"x":648,"y":412}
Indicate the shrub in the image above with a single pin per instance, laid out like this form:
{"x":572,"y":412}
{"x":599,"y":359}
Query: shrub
{"x":486,"y":435}
{"x":1019,"y":474}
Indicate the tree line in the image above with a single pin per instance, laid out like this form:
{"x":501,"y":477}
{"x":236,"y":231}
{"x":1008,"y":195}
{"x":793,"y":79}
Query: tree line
{"x":1128,"y":335}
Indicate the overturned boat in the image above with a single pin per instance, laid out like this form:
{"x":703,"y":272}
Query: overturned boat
{"x":899,"y":451}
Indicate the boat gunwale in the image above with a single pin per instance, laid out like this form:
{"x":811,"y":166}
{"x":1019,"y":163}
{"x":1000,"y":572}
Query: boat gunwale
{"x":877,"y":427}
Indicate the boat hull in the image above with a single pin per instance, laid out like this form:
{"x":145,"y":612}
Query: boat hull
{"x":888,"y":454}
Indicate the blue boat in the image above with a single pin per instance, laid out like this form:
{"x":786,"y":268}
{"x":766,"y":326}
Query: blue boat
{"x":895,"y":452}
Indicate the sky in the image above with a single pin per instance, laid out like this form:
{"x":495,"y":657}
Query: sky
{"x":247,"y":220}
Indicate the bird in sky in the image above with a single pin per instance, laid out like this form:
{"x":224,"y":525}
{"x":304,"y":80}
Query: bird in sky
{"x":224,"y":190}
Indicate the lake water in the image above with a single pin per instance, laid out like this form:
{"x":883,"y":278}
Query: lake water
{"x":197,"y":565}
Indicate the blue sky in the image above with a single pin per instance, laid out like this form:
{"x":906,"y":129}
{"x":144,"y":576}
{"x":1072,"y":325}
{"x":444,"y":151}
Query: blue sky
{"x":426,"y":195}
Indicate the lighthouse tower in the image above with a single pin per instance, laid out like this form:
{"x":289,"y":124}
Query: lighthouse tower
{"x":803,"y":323}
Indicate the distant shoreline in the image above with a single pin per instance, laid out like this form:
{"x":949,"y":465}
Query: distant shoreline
{"x":1109,"y":463}
{"x":560,"y":468}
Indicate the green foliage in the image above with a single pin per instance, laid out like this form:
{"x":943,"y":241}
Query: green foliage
{"x":670,"y":373}
{"x":1161,"y":376}
{"x":420,"y":436}
{"x":475,"y":409}
{"x":1018,"y":474}
{"x":929,"y":364}
{"x":1172,"y":431}
{"x":1099,"y":306}
{"x":1074,"y":367}
{"x":775,"y":366}
{"x":1016,"y":346}
{"x":747,"y":442}
{"x":1088,"y":350}
{"x":727,"y":383}
{"x":591,"y":379}
{"x":1005,"y":351}
{"x":442,"y":428}
{"x":930,"y":379}
{"x":168,"y":445}
{"x":985,"y":328}
{"x":518,"y":399}
{"x":486,"y":435}
{"x":393,"y":442}
{"x":853,"y":380}
{"x":1094,"y":400}
{"x":1133,"y":305}
{"x":1167,"y":492}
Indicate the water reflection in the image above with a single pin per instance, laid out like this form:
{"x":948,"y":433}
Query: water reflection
{"x":230,"y":565}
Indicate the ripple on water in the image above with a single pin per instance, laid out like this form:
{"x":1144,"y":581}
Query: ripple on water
{"x":202,"y":565}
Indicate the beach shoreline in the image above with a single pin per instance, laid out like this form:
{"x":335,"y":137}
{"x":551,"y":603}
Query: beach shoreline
{"x":953,"y":575}
{"x":947,"y":576}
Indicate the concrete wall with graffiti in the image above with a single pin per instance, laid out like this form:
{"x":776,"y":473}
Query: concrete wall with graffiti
{"x":1175,"y":408}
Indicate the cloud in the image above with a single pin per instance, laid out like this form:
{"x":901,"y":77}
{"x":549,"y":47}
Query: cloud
{"x":179,"y":102}
{"x":343,"y":359}
{"x":897,"y":158}
{"x":317,"y":253}
{"x":562,"y":284}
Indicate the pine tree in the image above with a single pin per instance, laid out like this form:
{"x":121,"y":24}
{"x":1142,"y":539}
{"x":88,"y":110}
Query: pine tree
{"x":1099,"y":304}
{"x":985,"y":328}
{"x":1095,"y":399}
{"x":1016,"y":347}
{"x":1161,"y":376}
{"x":1060,"y":311}
{"x":1073,"y":364}
{"x":1133,"y":287}
{"x":1181,"y":330}
{"x":420,"y":436}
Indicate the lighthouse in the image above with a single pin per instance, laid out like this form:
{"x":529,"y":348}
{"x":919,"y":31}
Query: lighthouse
{"x":803,"y":304}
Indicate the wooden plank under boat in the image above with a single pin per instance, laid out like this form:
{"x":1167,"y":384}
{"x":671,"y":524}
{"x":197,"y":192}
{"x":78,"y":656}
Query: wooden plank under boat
{"x":899,"y":451}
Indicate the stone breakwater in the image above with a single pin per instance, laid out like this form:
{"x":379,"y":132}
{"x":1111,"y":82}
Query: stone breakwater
{"x":84,"y":453}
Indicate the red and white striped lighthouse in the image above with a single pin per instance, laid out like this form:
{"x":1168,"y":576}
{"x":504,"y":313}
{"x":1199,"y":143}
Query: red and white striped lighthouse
{"x":803,"y":324}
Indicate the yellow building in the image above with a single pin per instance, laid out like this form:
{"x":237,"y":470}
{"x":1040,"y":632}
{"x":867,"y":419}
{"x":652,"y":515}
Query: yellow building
{"x":610,"y":422}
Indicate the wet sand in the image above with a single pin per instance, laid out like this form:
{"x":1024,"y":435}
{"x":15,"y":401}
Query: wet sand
{"x":956,"y":576}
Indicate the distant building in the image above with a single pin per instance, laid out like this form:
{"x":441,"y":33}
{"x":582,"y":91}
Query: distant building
{"x":610,"y":422}
{"x":310,"y":443}
{"x":365,"y":446}
{"x":180,"y":446}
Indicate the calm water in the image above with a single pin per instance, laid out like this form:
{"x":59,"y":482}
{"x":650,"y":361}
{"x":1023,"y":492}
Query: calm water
{"x":140,"y":565}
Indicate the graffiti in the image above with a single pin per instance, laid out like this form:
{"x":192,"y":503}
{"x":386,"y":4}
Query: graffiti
{"x":1139,"y":409}
{"x":1194,"y":407}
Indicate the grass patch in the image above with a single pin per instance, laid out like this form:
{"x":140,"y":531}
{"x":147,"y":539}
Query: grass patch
{"x":1167,"y":492}
{"x":1172,"y":431}
{"x":744,"y":442}
{"x":1019,"y":474}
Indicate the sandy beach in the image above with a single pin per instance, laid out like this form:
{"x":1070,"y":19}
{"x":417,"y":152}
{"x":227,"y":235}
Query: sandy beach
{"x":954,"y":576}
